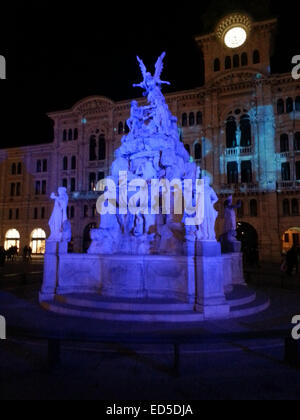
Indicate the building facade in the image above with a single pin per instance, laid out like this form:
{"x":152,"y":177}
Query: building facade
{"x":242,"y":127}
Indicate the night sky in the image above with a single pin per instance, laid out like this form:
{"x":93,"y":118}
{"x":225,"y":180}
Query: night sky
{"x":60,"y":52}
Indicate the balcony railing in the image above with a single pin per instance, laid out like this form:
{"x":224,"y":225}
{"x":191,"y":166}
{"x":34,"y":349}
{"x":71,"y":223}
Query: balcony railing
{"x":241,"y":187}
{"x":288,"y":185}
{"x":239,"y":151}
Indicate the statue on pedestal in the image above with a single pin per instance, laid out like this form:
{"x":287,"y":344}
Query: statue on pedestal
{"x":206,"y":231}
{"x":228,"y":238}
{"x":59,"y":215}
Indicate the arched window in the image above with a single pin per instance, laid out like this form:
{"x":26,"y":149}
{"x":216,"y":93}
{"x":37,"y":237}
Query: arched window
{"x":284,"y":143}
{"x":297,"y":103}
{"x":253,"y":208}
{"x":184,"y":120}
{"x":70,"y":136}
{"x":198,"y":151}
{"x":232,"y":173}
{"x":295,"y":207}
{"x":13,"y":169}
{"x":126,"y":127}
{"x":280,"y":106}
{"x":187,"y":148}
{"x":289,"y":105}
{"x":240,"y":210}
{"x":64,"y":135}
{"x":246,"y":172}
{"x":244,"y":59}
{"x":76,"y":134}
{"x":236,"y":61}
{"x":65,"y":163}
{"x":199,"y":118}
{"x":38,"y":241}
{"x":286,"y":207}
{"x":217,"y":65}
{"x":120,"y":128}
{"x":256,"y":57}
{"x":19,"y":168}
{"x":245,"y":126}
{"x":93,"y":144}
{"x":227,"y":63}
{"x":12,"y":238}
{"x":231,"y":129}
{"x":286,"y":171}
{"x":298,"y":171}
{"x":191,"y":119}
{"x":102,"y":147}
{"x":73,"y":163}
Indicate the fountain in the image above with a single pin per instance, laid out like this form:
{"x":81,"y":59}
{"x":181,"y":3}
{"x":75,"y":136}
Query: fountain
{"x":155,"y":256}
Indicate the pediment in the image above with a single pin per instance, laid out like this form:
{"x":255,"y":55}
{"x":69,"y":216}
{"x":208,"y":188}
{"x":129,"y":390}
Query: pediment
{"x":236,"y":77}
{"x":94,"y":104}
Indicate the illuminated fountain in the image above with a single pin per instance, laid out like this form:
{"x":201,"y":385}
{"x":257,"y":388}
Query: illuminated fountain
{"x":154,"y":256}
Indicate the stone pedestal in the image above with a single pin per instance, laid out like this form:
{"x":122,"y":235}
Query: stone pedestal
{"x":50,"y":277}
{"x":51,"y":268}
{"x":230,"y":246}
{"x":202,"y":248}
{"x":210,"y":294}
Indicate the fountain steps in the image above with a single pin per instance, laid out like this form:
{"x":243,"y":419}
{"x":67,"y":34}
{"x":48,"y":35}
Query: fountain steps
{"x":242,"y":302}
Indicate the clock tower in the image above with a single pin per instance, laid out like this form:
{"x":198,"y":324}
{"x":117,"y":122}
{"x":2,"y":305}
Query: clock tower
{"x":237,"y":43}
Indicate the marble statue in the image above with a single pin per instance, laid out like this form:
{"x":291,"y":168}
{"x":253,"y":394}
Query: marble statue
{"x":59,"y":214}
{"x":229,"y":227}
{"x":228,"y":237}
{"x":206,"y":231}
{"x":152,"y":150}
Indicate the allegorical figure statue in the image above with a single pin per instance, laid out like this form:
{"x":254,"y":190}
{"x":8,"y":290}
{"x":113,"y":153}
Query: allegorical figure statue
{"x":59,"y":214}
{"x":229,"y":228}
{"x":207,"y":229}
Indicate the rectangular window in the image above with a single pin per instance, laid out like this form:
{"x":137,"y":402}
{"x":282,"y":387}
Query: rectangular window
{"x":10,"y":214}
{"x":246,"y":171}
{"x":45,"y":165}
{"x":12,"y":189}
{"x":17,"y":214}
{"x":286,"y":171}
{"x":232,"y":173}
{"x":18,"y":189}
{"x":43,"y":213}
{"x":35,"y":213}
{"x":73,"y":184}
{"x":37,"y":187}
{"x":298,"y":171}
{"x":44,"y":187}
{"x":65,"y":183}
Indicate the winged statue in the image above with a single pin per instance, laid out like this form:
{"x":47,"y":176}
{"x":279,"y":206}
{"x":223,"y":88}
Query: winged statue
{"x":151,"y":82}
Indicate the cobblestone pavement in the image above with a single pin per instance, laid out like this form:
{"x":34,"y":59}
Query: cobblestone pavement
{"x":234,"y":359}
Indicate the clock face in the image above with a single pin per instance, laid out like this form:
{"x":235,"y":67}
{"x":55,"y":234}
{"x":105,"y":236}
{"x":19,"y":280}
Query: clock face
{"x":235,"y":37}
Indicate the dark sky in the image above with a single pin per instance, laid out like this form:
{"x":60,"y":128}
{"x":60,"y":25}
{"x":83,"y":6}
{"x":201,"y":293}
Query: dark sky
{"x":60,"y":52}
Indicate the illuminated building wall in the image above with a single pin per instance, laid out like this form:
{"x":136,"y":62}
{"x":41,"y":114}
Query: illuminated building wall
{"x":242,"y":127}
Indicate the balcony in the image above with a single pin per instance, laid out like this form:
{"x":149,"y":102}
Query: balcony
{"x":288,"y":185}
{"x":239,"y":151}
{"x":85,"y":195}
{"x":239,"y":188}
